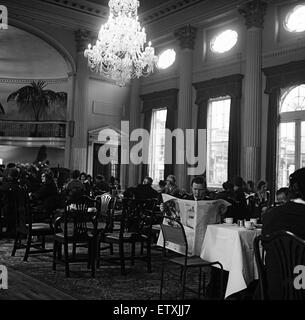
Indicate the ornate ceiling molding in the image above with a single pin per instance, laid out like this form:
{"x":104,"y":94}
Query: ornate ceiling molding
{"x":169,"y":7}
{"x":81,"y":6}
{"x":27,"y":81}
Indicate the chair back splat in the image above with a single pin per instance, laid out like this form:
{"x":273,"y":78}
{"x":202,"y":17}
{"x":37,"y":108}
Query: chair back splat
{"x":80,"y":230}
{"x":277,"y":256}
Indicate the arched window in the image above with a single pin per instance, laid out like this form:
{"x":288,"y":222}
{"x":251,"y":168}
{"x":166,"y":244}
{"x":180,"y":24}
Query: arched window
{"x":291,"y":135}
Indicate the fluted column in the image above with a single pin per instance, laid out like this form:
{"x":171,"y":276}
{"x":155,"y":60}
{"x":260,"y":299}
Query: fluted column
{"x":69,"y":118}
{"x":253,"y":13}
{"x":186,"y":36}
{"x":80,"y":111}
{"x":134,"y":120}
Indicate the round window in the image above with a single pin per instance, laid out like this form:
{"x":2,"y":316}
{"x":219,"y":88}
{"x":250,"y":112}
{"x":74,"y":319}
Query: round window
{"x":224,"y":41}
{"x":166,"y":59}
{"x":295,"y":19}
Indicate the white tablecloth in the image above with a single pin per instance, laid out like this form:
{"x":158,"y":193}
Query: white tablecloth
{"x":232,"y":246}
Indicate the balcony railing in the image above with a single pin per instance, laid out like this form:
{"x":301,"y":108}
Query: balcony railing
{"x":19,"y":128}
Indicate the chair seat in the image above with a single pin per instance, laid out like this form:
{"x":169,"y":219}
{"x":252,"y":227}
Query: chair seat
{"x":41,"y":228}
{"x":191,"y":261}
{"x":61,"y":237}
{"x":115,"y":236}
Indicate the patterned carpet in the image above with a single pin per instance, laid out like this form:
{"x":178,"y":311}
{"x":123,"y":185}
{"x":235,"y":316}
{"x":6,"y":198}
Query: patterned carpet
{"x":108,"y":284}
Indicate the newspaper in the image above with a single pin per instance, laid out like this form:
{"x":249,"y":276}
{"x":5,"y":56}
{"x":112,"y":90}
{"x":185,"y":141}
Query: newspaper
{"x":194,"y":216}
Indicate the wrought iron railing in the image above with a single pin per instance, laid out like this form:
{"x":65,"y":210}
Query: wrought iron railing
{"x":19,"y":128}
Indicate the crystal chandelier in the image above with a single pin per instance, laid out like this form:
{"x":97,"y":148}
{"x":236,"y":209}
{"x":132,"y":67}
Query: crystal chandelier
{"x":120,"y":52}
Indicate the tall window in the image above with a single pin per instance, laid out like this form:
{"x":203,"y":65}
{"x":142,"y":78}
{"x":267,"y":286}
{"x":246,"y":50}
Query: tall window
{"x":291,"y":142}
{"x":218,"y":141}
{"x":156,"y":155}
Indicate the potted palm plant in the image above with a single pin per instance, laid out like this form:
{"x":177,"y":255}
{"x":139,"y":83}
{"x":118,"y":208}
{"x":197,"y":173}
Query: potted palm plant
{"x":37,"y":98}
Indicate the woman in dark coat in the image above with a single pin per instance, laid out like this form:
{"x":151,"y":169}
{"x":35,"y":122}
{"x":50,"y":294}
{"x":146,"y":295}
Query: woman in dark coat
{"x":46,"y":198}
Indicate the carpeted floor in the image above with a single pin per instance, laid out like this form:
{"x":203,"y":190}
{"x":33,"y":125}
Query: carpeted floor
{"x":35,"y":279}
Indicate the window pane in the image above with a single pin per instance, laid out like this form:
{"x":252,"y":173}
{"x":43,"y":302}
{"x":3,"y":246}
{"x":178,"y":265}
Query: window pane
{"x":218,"y":141}
{"x":156,"y":145}
{"x":293,"y":99}
{"x":286,"y":154}
{"x":302,"y":144}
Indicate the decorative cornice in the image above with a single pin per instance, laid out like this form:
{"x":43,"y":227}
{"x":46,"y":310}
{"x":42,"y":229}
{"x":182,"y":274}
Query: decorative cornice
{"x":167,"y":8}
{"x":82,"y":38}
{"x":284,"y":75}
{"x":229,"y":85}
{"x":165,"y":97}
{"x":253,"y":12}
{"x":26,"y":81}
{"x":81,"y":6}
{"x":287,"y":51}
{"x":186,"y":35}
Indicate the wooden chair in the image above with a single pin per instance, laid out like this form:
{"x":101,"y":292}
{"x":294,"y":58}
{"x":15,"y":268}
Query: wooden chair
{"x":79,"y":228}
{"x":278,"y":254}
{"x":174,"y":234}
{"x":105,"y":222}
{"x":26,"y":228}
{"x":135,"y":227}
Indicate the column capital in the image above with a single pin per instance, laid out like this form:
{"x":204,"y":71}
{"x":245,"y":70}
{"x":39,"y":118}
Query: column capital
{"x":253,"y":12}
{"x":186,"y":35}
{"x":82,"y":39}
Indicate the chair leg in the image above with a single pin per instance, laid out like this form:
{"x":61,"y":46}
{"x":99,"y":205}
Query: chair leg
{"x":15,"y":244}
{"x":162,"y":279}
{"x":93,"y":255}
{"x":148,"y":249}
{"x":183,"y":282}
{"x":122,"y":260}
{"x":55,"y":249}
{"x":43,"y":242}
{"x":59,"y":253}
{"x":133,"y":252}
{"x":98,"y":253}
{"x":74,"y":250}
{"x":199,"y":284}
{"x":203,"y":284}
{"x":111,"y":249}
{"x":66,"y":254}
{"x":28,"y":246}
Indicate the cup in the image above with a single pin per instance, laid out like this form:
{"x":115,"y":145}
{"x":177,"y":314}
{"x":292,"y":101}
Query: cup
{"x":249,"y":225}
{"x":229,"y":220}
{"x":254,"y":220}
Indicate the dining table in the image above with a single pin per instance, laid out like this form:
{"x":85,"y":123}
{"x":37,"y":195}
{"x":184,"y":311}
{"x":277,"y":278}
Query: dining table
{"x":232,"y":246}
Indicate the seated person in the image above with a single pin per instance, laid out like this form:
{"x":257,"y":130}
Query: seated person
{"x":162,"y":185}
{"x":241,"y":209}
{"x":199,"y":190}
{"x":281,"y":196}
{"x":100,"y":186}
{"x":262,"y":199}
{"x":145,"y":190}
{"x":46,"y":198}
{"x":289,"y":217}
{"x":171,"y":187}
{"x":84,"y":181}
{"x":75,"y":188}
